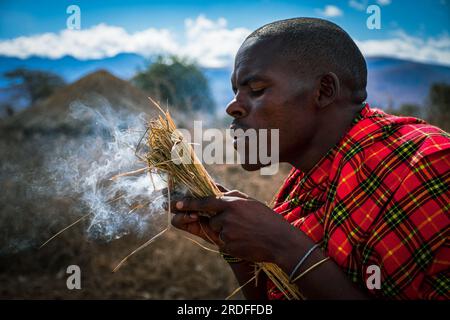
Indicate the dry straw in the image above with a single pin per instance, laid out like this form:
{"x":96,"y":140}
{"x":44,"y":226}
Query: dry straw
{"x":163,"y":137}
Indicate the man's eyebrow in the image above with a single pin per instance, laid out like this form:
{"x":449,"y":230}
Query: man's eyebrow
{"x":251,"y":78}
{"x":246,"y":80}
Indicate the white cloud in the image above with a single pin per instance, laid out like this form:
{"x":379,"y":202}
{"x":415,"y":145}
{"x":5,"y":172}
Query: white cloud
{"x":358,"y":5}
{"x":331,"y":11}
{"x":361,"y":5}
{"x":404,"y":46}
{"x":384,"y":2}
{"x":208,"y":41}
{"x":211,"y":42}
{"x":97,"y":42}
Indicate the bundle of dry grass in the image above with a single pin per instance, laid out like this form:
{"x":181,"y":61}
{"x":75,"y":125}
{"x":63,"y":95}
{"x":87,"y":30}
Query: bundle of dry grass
{"x":185,"y":170}
{"x":163,"y":137}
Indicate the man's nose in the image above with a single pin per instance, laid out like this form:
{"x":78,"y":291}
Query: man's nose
{"x":236,"y":109}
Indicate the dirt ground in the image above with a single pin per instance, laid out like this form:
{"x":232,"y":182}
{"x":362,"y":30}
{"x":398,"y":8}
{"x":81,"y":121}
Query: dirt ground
{"x":170,"y":268}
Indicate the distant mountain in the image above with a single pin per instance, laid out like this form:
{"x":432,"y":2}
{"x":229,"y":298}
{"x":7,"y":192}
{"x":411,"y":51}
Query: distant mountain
{"x":395,"y":82}
{"x":98,"y":91}
{"x":123,"y":65}
{"x":391,"y":82}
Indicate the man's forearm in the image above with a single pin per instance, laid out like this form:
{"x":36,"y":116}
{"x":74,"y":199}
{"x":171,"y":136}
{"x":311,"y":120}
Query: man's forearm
{"x":327,"y":281}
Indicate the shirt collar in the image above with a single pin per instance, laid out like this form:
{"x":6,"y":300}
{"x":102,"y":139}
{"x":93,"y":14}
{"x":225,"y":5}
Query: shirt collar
{"x":318,"y":175}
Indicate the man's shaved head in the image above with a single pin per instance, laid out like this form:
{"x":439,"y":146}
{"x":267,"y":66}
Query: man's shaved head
{"x":318,"y":46}
{"x":305,"y":77}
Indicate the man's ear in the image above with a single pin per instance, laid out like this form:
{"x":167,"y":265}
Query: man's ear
{"x":329,"y":88}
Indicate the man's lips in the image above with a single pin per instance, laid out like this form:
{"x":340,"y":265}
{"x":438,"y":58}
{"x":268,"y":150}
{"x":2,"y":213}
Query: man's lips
{"x":237,"y":131}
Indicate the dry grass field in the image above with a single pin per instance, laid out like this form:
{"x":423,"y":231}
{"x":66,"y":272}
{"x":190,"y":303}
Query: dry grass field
{"x":170,"y":268}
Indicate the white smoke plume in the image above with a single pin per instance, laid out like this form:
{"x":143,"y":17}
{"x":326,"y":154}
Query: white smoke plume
{"x":85,"y":167}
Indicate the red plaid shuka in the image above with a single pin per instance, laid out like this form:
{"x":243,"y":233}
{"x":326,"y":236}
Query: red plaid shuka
{"x":379,"y":197}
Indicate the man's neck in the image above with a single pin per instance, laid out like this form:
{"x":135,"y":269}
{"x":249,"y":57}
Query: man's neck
{"x":330,"y":131}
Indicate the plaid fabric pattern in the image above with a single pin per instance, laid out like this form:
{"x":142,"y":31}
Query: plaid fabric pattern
{"x":380,"y":197}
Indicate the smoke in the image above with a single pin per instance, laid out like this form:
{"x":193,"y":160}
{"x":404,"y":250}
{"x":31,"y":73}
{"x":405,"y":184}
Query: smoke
{"x":49,"y":180}
{"x":85,"y":167}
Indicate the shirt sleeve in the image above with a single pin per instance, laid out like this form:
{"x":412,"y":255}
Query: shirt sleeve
{"x":409,"y":242}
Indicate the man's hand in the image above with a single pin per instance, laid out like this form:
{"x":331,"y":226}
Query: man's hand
{"x":241,"y":226}
{"x":197,"y":225}
{"x":248,"y":229}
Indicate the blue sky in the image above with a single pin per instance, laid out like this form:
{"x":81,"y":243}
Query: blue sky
{"x":424,"y":24}
{"x":19,"y":17}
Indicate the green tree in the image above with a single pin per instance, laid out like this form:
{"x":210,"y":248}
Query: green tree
{"x":410,"y":110}
{"x":438,"y":105}
{"x":177,"y":81}
{"x":34,"y":84}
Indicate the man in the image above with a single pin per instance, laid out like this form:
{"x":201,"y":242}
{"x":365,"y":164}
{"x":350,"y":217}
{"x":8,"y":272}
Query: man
{"x":370,"y":189}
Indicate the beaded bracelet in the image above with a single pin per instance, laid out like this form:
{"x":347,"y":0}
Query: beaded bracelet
{"x":302,"y":260}
{"x":314,"y":266}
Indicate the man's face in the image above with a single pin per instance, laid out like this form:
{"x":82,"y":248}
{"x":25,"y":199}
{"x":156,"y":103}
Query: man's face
{"x":270,"y":93}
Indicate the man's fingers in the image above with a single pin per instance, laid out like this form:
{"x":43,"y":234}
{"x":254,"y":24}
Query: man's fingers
{"x":181,"y":220}
{"x":208,"y":204}
{"x":236,"y":193}
{"x":221,"y":187}
{"x":216,"y":222}
{"x":232,"y":193}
